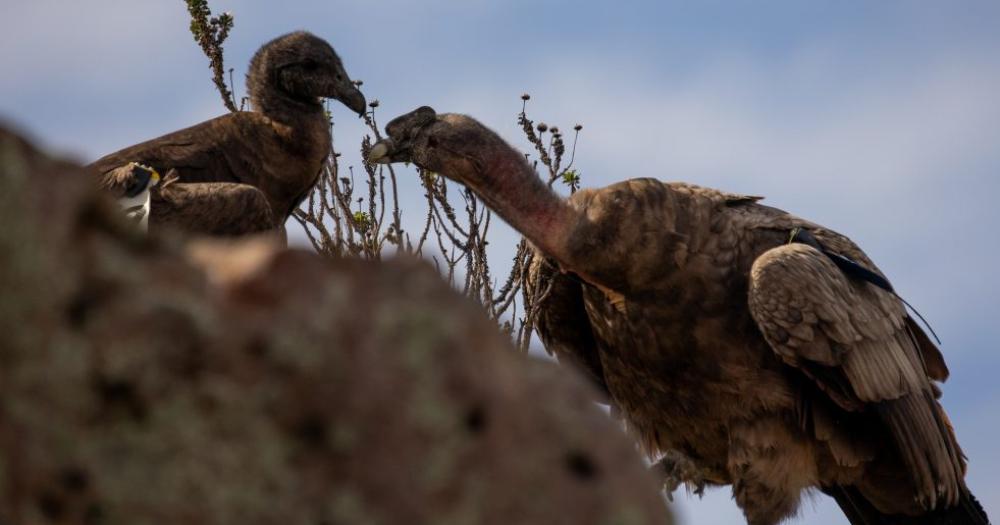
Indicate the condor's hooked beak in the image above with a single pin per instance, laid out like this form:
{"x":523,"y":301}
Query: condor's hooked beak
{"x":402,"y":132}
{"x":347,"y":93}
{"x":351,"y":97}
{"x":381,"y":152}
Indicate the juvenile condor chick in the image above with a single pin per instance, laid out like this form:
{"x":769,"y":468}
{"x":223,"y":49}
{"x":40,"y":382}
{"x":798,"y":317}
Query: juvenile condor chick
{"x":247,"y":171}
{"x":763,"y":350}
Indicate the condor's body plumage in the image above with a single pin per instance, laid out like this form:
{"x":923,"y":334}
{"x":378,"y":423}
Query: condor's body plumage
{"x":757,"y":359}
{"x":230,"y":168}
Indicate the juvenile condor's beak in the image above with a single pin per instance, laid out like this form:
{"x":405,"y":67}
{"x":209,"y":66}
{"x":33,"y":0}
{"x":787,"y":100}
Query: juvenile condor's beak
{"x":351,"y":97}
{"x":403,"y":131}
{"x":347,"y":93}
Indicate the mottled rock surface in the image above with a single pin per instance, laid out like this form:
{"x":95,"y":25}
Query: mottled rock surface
{"x":146,"y":380}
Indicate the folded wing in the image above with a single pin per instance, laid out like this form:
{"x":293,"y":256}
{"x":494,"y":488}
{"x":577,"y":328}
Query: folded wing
{"x":856,"y":342}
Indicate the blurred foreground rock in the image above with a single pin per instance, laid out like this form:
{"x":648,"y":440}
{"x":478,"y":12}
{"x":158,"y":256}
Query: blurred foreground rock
{"x":143,"y":380}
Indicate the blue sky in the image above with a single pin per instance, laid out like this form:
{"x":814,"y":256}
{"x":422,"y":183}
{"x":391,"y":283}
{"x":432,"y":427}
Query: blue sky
{"x":881,"y":120}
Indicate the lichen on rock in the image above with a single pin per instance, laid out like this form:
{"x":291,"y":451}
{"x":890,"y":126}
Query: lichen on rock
{"x":164,"y":380}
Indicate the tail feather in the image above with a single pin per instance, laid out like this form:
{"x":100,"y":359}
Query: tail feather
{"x":859,"y":511}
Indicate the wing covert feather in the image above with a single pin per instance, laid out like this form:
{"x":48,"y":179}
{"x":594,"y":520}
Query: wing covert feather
{"x":809,"y":310}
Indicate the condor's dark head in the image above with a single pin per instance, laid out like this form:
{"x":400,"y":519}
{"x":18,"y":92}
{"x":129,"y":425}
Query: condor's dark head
{"x":292,"y":72}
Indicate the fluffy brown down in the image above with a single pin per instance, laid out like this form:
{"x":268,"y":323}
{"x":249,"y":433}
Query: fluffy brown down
{"x":277,"y":150}
{"x":756,"y":359}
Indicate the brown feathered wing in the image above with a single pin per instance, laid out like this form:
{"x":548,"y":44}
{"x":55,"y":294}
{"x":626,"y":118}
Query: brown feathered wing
{"x":209,"y":160}
{"x":856,"y":342}
{"x":212,"y":151}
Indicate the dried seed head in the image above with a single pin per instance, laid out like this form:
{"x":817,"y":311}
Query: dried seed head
{"x":555,"y":129}
{"x":542,"y":127}
{"x":373,"y":104}
{"x":525,"y":96}
{"x":358,"y":83}
{"x":578,"y":127}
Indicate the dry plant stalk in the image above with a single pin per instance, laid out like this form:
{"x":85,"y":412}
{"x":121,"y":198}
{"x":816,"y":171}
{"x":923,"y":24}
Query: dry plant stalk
{"x":210,"y":32}
{"x":341,"y":218}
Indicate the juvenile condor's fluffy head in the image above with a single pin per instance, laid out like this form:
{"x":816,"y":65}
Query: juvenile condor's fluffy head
{"x":293,"y":71}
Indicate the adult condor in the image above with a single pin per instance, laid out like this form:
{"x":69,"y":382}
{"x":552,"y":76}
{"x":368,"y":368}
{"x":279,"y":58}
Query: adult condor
{"x":752,"y":347}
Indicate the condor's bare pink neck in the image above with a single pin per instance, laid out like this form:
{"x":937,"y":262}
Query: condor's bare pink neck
{"x":512,"y":189}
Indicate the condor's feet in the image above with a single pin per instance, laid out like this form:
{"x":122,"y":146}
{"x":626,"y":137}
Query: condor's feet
{"x":675,"y":468}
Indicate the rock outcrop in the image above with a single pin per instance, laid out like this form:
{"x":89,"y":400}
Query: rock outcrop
{"x":156,"y":380}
